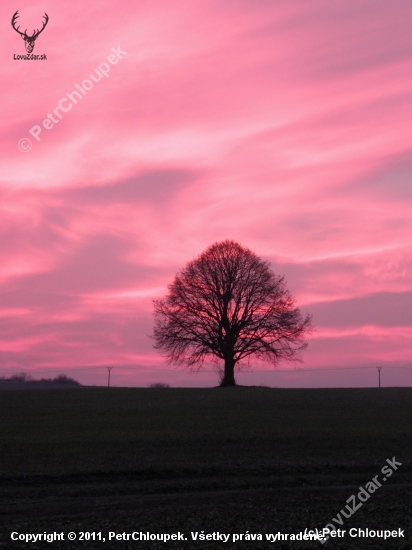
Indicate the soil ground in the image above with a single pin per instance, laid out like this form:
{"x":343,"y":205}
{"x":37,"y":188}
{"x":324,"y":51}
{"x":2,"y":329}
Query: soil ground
{"x":229,"y":461}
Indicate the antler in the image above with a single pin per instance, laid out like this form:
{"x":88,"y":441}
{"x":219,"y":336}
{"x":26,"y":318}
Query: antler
{"x":24,"y":34}
{"x":46,"y":20}
{"x":29,"y":40}
{"x":13,"y":21}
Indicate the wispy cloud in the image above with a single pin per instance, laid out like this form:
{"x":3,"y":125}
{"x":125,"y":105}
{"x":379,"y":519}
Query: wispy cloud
{"x":285,"y":126}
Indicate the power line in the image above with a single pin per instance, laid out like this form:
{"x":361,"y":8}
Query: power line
{"x":245,"y":370}
{"x":54,"y":370}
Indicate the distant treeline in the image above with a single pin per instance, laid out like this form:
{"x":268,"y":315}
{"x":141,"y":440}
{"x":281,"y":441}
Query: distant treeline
{"x":26,"y":379}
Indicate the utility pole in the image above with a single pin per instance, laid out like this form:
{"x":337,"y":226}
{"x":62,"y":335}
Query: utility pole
{"x":108,"y":378}
{"x":379,"y":375}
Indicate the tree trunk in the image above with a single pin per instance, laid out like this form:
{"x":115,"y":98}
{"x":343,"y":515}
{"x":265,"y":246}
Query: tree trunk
{"x":228,"y":378}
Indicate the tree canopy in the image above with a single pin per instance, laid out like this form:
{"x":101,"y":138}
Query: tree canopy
{"x":229,"y":305}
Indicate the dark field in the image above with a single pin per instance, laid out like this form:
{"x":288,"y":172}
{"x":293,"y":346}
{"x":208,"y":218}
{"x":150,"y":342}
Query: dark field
{"x":231,"y":460}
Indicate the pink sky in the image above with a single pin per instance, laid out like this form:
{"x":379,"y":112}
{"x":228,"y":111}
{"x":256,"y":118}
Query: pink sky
{"x":282,"y":124}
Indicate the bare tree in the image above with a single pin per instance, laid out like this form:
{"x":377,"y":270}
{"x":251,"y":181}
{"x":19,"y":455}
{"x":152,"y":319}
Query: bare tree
{"x":228,"y":304}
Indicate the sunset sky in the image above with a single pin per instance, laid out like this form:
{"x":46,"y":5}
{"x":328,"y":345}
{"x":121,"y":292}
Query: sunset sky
{"x":284,"y":125}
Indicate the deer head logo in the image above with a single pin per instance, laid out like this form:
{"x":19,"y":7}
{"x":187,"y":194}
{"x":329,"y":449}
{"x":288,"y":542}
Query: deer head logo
{"x":29,"y":40}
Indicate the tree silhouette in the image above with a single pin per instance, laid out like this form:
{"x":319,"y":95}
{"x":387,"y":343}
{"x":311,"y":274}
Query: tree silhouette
{"x":228,"y":304}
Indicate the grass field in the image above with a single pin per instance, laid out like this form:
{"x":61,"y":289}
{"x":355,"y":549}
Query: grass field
{"x":227,"y":460}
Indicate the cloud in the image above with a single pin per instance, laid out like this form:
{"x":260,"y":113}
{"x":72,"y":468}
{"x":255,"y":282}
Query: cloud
{"x":389,"y":179}
{"x":157,"y":186}
{"x":384,"y":309}
{"x":282,"y":125}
